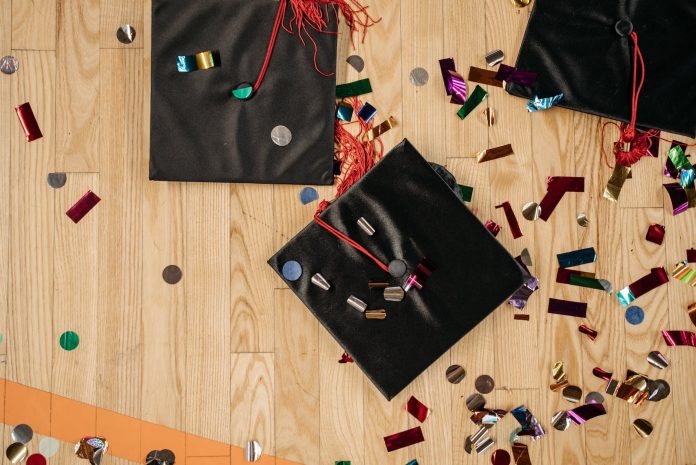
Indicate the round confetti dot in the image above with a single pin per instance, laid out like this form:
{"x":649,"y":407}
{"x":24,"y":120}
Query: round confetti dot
{"x":594,"y":398}
{"x":583,"y":220}
{"x":56,"y":180}
{"x":635,"y":315}
{"x":356,"y":62}
{"x":397,"y":268}
{"x":658,"y":390}
{"x":280,"y":135}
{"x":475,"y":402}
{"x":500,"y":457}
{"x":243,"y":91}
{"x":484,"y":384}
{"x":308,"y":194}
{"x":171,"y":274}
{"x":9,"y":64}
{"x":22,"y":433}
{"x":455,"y":374}
{"x":16,"y":452}
{"x":418,"y":77}
{"x":292,"y":270}
{"x":36,"y":459}
{"x":560,"y":420}
{"x":125,"y":34}
{"x":48,"y":447}
{"x":69,"y":340}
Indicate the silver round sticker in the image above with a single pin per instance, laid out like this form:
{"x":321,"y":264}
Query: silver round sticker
{"x":125,"y":34}
{"x":22,"y":433}
{"x":594,"y":398}
{"x":57,"y":180}
{"x":280,"y":135}
{"x":9,"y":64}
{"x":418,"y":77}
{"x":356,"y":62}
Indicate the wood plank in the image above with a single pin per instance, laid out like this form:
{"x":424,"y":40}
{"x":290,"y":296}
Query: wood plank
{"x":31,"y":218}
{"x":252,"y":390}
{"x":508,"y":399}
{"x":77,"y":81}
{"x":7,"y":128}
{"x":296,"y":381}
{"x":115,"y":13}
{"x":34,"y":25}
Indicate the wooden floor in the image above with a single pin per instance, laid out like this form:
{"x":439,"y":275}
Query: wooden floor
{"x":229,"y":353}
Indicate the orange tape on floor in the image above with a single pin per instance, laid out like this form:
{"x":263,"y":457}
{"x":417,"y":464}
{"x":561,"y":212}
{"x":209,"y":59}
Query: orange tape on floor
{"x":129,"y":438}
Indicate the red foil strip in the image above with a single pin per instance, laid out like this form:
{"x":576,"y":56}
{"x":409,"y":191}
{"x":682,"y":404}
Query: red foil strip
{"x":512,"y":219}
{"x":591,"y":333}
{"x":345,"y":358}
{"x":556,"y":187}
{"x":691,"y":255}
{"x":601,"y":374}
{"x":82,"y":206}
{"x":404,"y":439}
{"x":567,"y":307}
{"x":423,"y":271}
{"x":678,"y":197}
{"x":493,"y":227}
{"x":580,"y":415}
{"x":417,"y":409}
{"x":28,"y":122}
{"x":679,"y":337}
{"x":656,"y":233}
{"x":656,"y":277}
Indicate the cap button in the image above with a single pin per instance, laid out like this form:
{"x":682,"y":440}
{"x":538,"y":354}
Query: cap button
{"x":623,"y":27}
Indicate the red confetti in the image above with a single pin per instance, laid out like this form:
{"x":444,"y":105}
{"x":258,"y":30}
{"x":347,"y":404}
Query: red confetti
{"x":512,"y":219}
{"x":493,"y":227}
{"x":404,"y":439}
{"x":691,"y":255}
{"x":36,"y":459}
{"x":656,"y":233}
{"x":601,"y":374}
{"x":417,"y":409}
{"x":28,"y":122}
{"x":83,"y":206}
{"x":556,"y":187}
{"x":679,"y":337}
{"x":591,"y":333}
{"x":345,"y":358}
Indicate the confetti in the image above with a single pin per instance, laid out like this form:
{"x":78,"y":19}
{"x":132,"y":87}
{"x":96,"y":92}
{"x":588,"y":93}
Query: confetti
{"x":367,"y":227}
{"x":252,"y":451}
{"x":589,"y":332}
{"x":160,"y":457}
{"x":679,"y":338}
{"x":484,"y":76}
{"x":356,"y":62}
{"x":487,"y":417}
{"x":92,"y":449}
{"x":556,"y":187}
{"x":345,"y":358}
{"x":69,"y":340}
{"x":493,"y":227}
{"x":9,"y":64}
{"x":344,"y":111}
{"x":489,"y":113}
{"x":567,"y":307}
{"x":321,"y":282}
{"x":616,"y":182}
{"x":356,"y":303}
{"x":494,"y":57}
{"x":519,"y":451}
{"x":353,"y":89}
{"x":418,"y":77}
{"x":577,"y":257}
{"x":516,"y":76}
{"x":572,"y":394}
{"x":455,"y":374}
{"x":83,"y":206}
{"x":558,"y":371}
{"x":494,"y":153}
{"x":684,"y":273}
{"x":308,"y":195}
{"x":643,"y":427}
{"x":22,"y":433}
{"x":199,"y":61}
{"x":291,"y":270}
{"x":583,"y":221}
{"x":531,"y":211}
{"x":417,"y":409}
{"x":580,"y":415}
{"x":125,"y":34}
{"x":634,"y":315}
{"x":28,"y":121}
{"x":500,"y":457}
{"x":16,"y":452}
{"x":601,"y":374}
{"x":522,"y":316}
{"x":367,"y":112}
{"x":421,"y":274}
{"x":539,"y":104}
{"x":476,"y":97}
{"x":512,"y":219}
{"x":594,"y":398}
{"x":583,"y":279}
{"x":393,"y":294}
{"x":454,"y":82}
{"x":530,"y":425}
{"x":281,"y":135}
{"x":49,"y":447}
{"x":56,"y":180}
{"x":692,"y":313}
{"x":379,"y":314}
{"x":404,"y":439}
{"x":36,"y":459}
{"x":677,"y":195}
{"x":484,"y":384}
{"x":475,"y":402}
{"x":655,"y":278}
{"x":656,"y":233}
{"x":467,"y":192}
{"x":380,"y":129}
{"x":521,"y":296}
{"x":560,"y":420}
{"x":172,"y":274}
{"x":656,"y":359}
{"x":397,"y":268}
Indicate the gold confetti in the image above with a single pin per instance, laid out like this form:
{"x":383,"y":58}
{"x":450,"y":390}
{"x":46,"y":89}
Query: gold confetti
{"x":379,"y":314}
{"x":616,"y":182}
{"x":383,"y":127}
{"x":643,"y":427}
{"x":572,"y":394}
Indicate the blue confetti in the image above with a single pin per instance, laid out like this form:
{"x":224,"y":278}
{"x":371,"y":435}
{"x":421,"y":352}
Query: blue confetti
{"x":308,"y":194}
{"x":635,"y":315}
{"x":538,"y":104}
{"x":367,"y":112}
{"x":292,"y":270}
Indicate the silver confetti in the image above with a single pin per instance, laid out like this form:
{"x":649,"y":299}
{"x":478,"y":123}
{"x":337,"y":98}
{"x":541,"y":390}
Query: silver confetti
{"x":56,"y":180}
{"x":22,"y":433}
{"x":319,"y":281}
{"x":479,"y":435}
{"x":594,"y":397}
{"x":356,"y":303}
{"x":9,"y":64}
{"x":16,"y":452}
{"x":252,"y":451}
{"x":280,"y":135}
{"x":525,"y":257}
{"x":583,"y":220}
{"x":560,"y":420}
{"x":494,"y":57}
{"x":455,"y":374}
{"x":656,"y":359}
{"x":48,"y":447}
{"x":418,"y":77}
{"x":475,"y":402}
{"x":608,"y":288}
{"x":394,"y":294}
{"x":483,"y":445}
{"x":366,"y":226}
{"x":531,"y":211}
{"x":125,"y":34}
{"x":356,"y":62}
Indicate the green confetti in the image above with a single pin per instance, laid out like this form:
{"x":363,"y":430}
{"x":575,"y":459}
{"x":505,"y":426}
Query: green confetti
{"x":467,"y":192}
{"x":243,"y":93}
{"x":69,"y":340}
{"x":353,"y":89}
{"x":679,"y":160}
{"x":476,"y":97}
{"x":342,"y":462}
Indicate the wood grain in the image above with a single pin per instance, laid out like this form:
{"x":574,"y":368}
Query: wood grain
{"x":34,"y":25}
{"x":113,"y":14}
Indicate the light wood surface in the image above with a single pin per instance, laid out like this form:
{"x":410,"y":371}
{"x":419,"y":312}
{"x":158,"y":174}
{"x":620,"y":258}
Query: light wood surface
{"x":229,"y":353}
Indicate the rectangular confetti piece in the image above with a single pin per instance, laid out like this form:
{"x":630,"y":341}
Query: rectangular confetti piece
{"x":495,"y":153}
{"x":556,"y":187}
{"x":476,"y":97}
{"x":417,"y":409}
{"x":28,"y":121}
{"x":512,"y":219}
{"x":467,"y":192}
{"x":577,"y":257}
{"x":567,"y":307}
{"x":484,"y":76}
{"x":647,"y":283}
{"x":404,"y":439}
{"x":353,"y":89}
{"x":83,"y":206}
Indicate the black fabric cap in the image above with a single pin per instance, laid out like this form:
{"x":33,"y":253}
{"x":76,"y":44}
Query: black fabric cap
{"x":584,"y":50}
{"x":200,"y":132}
{"x":415,"y":214}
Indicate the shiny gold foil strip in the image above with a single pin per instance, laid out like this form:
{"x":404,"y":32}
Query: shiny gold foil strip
{"x":692,"y":313}
{"x":558,"y":371}
{"x":383,"y":127}
{"x":616,"y":182}
{"x":558,"y":386}
{"x":643,"y":427}
{"x":572,"y":394}
{"x":495,"y":153}
{"x":379,"y":314}
{"x":638,"y":382}
{"x":205,"y":60}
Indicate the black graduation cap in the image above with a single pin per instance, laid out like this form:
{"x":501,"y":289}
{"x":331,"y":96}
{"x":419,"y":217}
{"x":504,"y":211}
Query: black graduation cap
{"x":200,"y":132}
{"x":417,"y":220}
{"x":585,"y":51}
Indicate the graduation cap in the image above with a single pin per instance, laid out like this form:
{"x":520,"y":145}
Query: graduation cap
{"x":587,"y":52}
{"x":400,"y":232}
{"x":278,"y":127}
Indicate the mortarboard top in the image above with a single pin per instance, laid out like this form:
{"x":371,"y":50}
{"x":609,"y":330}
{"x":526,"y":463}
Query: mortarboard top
{"x":200,"y":132}
{"x":585,"y":52}
{"x":415,"y":214}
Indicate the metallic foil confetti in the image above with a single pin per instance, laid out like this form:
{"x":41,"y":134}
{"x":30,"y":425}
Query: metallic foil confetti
{"x":489,"y":113}
{"x":353,"y":89}
{"x":583,"y":279}
{"x":467,"y":192}
{"x":679,"y":161}
{"x":367,"y":112}
{"x":380,"y":129}
{"x":692,"y":313}
{"x":580,"y":415}
{"x":559,"y":385}
{"x":171,"y":274}
{"x":567,"y":307}
{"x":92,"y":449}
{"x":476,"y":97}
{"x":521,"y":316}
{"x":344,"y":111}
{"x":556,"y":187}
{"x":656,"y":359}
{"x":455,"y":85}
{"x":345,"y":358}
{"x":684,"y":273}
{"x":342,"y":462}
{"x":679,"y":337}
{"x":199,"y":61}
{"x":479,"y":436}
{"x":577,"y":257}
{"x":455,"y":374}
{"x":9,"y":64}
{"x":320,"y":281}
{"x":493,"y":227}
{"x":500,"y":457}
{"x":475,"y":402}
{"x":291,"y":270}
{"x":16,"y":452}
{"x":616,"y":182}
{"x":511,"y":219}
{"x":56,"y":180}
{"x":495,"y":153}
{"x":601,"y":374}
{"x":356,"y":62}
{"x":356,"y":303}
{"x":49,"y":447}
{"x":281,"y":135}
{"x":366,"y":226}
{"x":69,"y":340}
{"x":378,"y":284}
{"x":661,"y":390}
{"x":160,"y":457}
{"x":404,"y":439}
{"x":308,"y":195}
{"x":125,"y":34}
{"x":243,"y":91}
{"x":397,"y":268}
{"x":83,"y":206}
{"x":656,"y":233}
{"x":418,"y":77}
{"x":484,"y":445}
{"x":412,"y":462}
{"x":487,"y":417}
{"x":531,"y":211}
{"x":494,"y":57}
{"x":420,"y":275}
{"x":520,"y":3}
{"x":524,"y":258}
{"x":484,"y":76}
{"x":678,"y":197}
{"x":572,"y":394}
{"x":691,"y":255}
{"x":634,"y":315}
{"x":530,"y":425}
{"x":656,"y":277}
{"x":393,"y":294}
{"x":36,"y":459}
{"x":377,"y":314}
{"x":521,"y":454}
{"x":539,"y":104}
{"x":643,"y":427}
{"x":560,"y":420}
{"x":252,"y":451}
{"x":521,"y":296}
{"x":516,"y":76}
{"x":484,"y":384}
{"x":594,"y":398}
{"x":28,"y":122}
{"x":589,"y":332}
{"x":22,"y":433}
{"x":583,"y":220}
{"x":417,"y":409}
